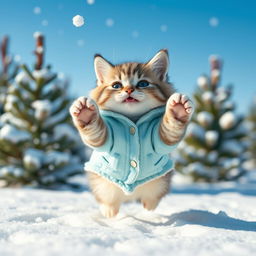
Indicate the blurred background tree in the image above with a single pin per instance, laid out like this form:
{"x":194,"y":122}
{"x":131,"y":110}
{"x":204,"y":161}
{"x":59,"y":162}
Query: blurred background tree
{"x":7,"y":72}
{"x":214,"y":146}
{"x":38,"y":144}
{"x":251,"y":120}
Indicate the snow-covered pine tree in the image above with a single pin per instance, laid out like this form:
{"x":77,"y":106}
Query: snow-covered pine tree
{"x":214,"y":146}
{"x":251,"y":121}
{"x":7,"y":72}
{"x":37,"y":140}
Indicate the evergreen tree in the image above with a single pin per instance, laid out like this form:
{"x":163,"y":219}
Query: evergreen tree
{"x":251,"y":119}
{"x":214,"y":146}
{"x":38,"y":144}
{"x":7,"y":72}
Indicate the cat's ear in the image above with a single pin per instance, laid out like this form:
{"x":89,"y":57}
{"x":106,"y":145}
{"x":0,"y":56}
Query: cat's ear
{"x":102,"y":68}
{"x":159,"y":64}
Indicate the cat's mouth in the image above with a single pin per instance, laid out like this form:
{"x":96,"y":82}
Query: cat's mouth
{"x":130,"y":99}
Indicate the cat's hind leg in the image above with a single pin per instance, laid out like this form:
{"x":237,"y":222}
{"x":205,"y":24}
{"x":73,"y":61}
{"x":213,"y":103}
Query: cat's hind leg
{"x":108,"y":195}
{"x":152,"y":192}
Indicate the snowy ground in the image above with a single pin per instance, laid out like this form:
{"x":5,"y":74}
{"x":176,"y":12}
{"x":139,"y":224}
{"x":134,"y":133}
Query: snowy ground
{"x":193,"y":220}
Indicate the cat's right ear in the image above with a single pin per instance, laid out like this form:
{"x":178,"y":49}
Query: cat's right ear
{"x":102,"y":68}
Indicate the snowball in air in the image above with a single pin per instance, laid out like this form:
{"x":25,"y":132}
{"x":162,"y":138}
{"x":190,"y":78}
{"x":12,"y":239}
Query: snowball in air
{"x":78,"y":21}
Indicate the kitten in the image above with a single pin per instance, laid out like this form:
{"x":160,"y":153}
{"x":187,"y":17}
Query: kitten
{"x":131,"y":93}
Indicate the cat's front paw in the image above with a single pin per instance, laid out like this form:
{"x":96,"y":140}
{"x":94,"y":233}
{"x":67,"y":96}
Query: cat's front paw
{"x":180,"y":107}
{"x":83,"y":111}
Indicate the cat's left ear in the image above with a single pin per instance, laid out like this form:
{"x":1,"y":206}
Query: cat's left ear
{"x":102,"y":68}
{"x":159,"y":64}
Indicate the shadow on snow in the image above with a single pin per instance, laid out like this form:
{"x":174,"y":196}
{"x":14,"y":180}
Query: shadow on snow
{"x":204,"y":218}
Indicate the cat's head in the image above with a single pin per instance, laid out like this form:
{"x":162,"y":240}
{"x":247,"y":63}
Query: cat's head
{"x":132,"y":88}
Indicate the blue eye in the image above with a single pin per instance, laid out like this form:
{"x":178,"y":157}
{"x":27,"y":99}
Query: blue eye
{"x":143,"y":84}
{"x":117,"y":86}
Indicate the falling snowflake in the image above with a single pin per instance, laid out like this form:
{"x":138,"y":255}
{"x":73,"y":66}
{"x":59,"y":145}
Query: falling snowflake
{"x":109,"y":22}
{"x":135,"y":34}
{"x":78,"y":21}
{"x":80,"y":42}
{"x":163,"y":28}
{"x":37,"y":10}
{"x":45,"y":23}
{"x":60,"y":31}
{"x":17,"y":58}
{"x":214,"y":22}
{"x":90,"y":2}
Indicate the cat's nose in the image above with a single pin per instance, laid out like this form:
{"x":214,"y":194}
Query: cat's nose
{"x":129,"y":91}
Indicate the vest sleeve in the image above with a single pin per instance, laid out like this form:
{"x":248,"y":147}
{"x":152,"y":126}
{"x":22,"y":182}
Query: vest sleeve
{"x":159,"y":146}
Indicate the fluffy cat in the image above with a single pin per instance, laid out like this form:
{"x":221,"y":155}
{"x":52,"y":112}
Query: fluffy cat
{"x":131,"y":90}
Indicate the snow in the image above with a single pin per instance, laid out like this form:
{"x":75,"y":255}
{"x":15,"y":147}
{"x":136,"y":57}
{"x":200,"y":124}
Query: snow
{"x":207,"y":97}
{"x":232,"y":146}
{"x":215,"y":73}
{"x":57,"y":158}
{"x":78,"y":21}
{"x":195,"y":130}
{"x":205,"y":118}
{"x":163,"y":28}
{"x":135,"y":34}
{"x":228,"y":120}
{"x":42,"y":108}
{"x":37,"y":10}
{"x":110,"y":22}
{"x":80,"y":42}
{"x":43,"y":73}
{"x":10,"y":101}
{"x":45,"y":23}
{"x":33,"y":158}
{"x":10,"y":133}
{"x":90,"y":2}
{"x":65,"y":130}
{"x":11,"y":170}
{"x":39,"y":49}
{"x":203,"y":82}
{"x":211,"y":137}
{"x":222,"y":94}
{"x":214,"y":22}
{"x":10,"y":118}
{"x":22,"y":77}
{"x":37,"y":34}
{"x":212,"y":156}
{"x":200,"y":219}
{"x":56,"y":118}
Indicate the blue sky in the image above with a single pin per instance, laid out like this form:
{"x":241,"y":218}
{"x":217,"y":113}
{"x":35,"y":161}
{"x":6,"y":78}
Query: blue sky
{"x":139,"y":30}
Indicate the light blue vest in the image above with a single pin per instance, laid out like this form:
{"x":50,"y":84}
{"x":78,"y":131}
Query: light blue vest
{"x":133,"y":152}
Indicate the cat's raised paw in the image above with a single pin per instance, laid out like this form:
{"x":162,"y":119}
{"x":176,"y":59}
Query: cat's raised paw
{"x":180,"y":106}
{"x":83,"y":111}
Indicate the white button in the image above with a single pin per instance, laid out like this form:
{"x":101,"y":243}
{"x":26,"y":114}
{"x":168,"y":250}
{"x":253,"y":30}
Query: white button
{"x":133,"y":163}
{"x":132,"y":130}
